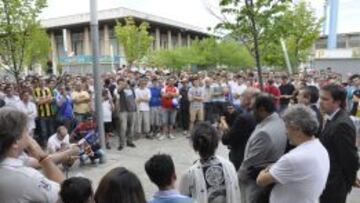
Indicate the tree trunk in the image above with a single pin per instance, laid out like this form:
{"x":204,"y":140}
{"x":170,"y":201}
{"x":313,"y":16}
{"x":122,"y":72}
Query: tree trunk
{"x":256,"y":49}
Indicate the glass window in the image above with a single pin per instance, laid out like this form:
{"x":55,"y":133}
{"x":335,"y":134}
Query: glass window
{"x":354,"y":41}
{"x":77,"y":42}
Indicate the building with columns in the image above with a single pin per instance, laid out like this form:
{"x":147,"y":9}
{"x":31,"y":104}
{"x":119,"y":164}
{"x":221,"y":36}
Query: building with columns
{"x":70,"y":37}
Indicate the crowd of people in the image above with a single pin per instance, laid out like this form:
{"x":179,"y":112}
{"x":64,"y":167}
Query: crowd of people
{"x":293,"y":140}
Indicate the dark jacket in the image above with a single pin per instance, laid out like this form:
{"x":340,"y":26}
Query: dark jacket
{"x":354,"y":108}
{"x":338,"y":137}
{"x":319,"y":118}
{"x":126,"y":103}
{"x":237,"y":137}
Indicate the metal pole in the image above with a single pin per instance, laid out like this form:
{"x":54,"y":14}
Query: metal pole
{"x":95,"y":61}
{"x":332,"y":39}
{"x":287,"y":60}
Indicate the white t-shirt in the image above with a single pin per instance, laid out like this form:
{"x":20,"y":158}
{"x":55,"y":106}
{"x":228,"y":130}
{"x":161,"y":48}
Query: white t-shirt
{"x":30,"y":110}
{"x":301,"y":174}
{"x":107,"y":113}
{"x":142,"y":93}
{"x":12,"y":101}
{"x":20,"y":183}
{"x":54,"y":144}
{"x":237,"y":90}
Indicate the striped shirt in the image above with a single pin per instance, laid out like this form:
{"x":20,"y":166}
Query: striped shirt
{"x":44,"y":110}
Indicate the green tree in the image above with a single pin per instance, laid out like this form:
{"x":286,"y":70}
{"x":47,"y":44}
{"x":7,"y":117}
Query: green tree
{"x":136,"y":40}
{"x":300,"y":28}
{"x":38,"y":49}
{"x":252,"y":20}
{"x":18,"y":23}
{"x":234,"y":55}
{"x":303,"y":30}
{"x":206,"y":53}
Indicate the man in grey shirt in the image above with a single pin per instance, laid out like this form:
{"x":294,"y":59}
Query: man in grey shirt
{"x":265,"y":146}
{"x":196,"y":97}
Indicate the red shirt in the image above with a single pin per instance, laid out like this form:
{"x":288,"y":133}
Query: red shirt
{"x":273,"y":91}
{"x":167,"y":102}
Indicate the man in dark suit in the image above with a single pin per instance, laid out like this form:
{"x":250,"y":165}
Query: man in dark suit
{"x":338,"y":137}
{"x":237,"y":132}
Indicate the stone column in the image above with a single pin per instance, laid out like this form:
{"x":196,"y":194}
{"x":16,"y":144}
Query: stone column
{"x":69,"y":42}
{"x":169,"y":40}
{"x":106,"y":40}
{"x":53,"y":52}
{"x":188,"y":40}
{"x":87,"y":48}
{"x":179,"y":40}
{"x":157,"y":39}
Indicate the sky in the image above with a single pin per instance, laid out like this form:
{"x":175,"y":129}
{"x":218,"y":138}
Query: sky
{"x":193,"y":12}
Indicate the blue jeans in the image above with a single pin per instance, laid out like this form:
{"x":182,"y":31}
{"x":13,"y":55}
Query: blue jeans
{"x":98,"y":154}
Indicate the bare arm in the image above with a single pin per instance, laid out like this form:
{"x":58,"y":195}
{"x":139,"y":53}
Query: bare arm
{"x":265,"y":178}
{"x":49,"y":168}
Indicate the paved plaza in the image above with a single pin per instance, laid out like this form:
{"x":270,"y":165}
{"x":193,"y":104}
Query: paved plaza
{"x":134,"y":159}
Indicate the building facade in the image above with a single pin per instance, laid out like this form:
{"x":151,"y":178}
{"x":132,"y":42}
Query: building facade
{"x":345,"y":59}
{"x":71,"y":41}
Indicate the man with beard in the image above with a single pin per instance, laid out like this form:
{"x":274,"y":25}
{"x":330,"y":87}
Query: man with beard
{"x":265,"y":146}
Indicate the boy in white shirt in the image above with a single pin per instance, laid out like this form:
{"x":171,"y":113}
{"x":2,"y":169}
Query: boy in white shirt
{"x":143,"y":95}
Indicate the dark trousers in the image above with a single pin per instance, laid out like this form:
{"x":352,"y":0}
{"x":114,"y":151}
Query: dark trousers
{"x":216,"y":110}
{"x":184,"y":116}
{"x":46,"y":129}
{"x":207,"y":111}
{"x":334,"y":193}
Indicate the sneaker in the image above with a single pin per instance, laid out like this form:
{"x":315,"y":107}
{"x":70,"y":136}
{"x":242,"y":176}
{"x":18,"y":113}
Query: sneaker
{"x":120,"y":148}
{"x":149,"y":137}
{"x":185,"y":132}
{"x":131,"y":144}
{"x":161,"y":137}
{"x":157,"y":135}
{"x":171,"y":136}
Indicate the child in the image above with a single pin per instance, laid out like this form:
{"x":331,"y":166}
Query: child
{"x":161,"y":170}
{"x":107,"y":107}
{"x":76,"y":189}
{"x":83,"y":128}
{"x":90,"y":148}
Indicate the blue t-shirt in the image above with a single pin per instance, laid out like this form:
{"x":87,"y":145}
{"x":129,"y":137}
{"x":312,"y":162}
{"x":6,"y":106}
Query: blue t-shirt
{"x":170,"y":196}
{"x":66,"y":109}
{"x":155,"y":99}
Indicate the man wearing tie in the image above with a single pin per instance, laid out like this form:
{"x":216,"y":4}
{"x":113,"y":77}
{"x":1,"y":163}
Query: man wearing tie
{"x":338,"y":137}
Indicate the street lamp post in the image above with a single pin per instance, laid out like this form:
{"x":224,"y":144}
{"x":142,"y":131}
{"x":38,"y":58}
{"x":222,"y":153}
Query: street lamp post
{"x":96,"y":74}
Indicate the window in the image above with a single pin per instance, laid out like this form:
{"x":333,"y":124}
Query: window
{"x":59,"y":45}
{"x":354,"y":41}
{"x":164,"y":41}
{"x":77,"y":43}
